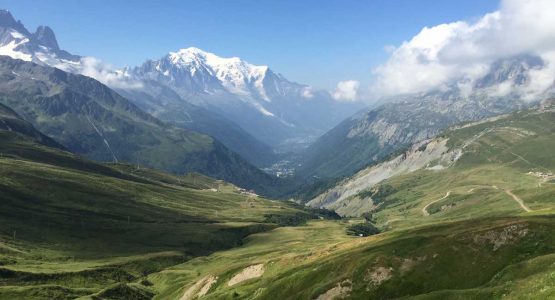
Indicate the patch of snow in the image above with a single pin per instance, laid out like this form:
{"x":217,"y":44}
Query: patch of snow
{"x":17,"y":35}
{"x":264,"y":111}
{"x":237,"y":76}
{"x":9,"y":50}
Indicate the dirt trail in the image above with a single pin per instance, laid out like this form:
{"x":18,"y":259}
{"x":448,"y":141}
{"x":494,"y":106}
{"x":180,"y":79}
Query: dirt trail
{"x":510,"y":193}
{"x":425,"y":208}
{"x":393,"y":220}
{"x":518,"y":200}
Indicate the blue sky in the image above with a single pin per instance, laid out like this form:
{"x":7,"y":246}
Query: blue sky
{"x":314,"y":41}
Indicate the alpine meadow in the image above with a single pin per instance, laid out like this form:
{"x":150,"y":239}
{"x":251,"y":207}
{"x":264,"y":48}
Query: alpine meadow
{"x":308,"y":149}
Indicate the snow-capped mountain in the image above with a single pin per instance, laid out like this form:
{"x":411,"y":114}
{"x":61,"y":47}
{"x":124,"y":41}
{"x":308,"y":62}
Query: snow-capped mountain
{"x":42,"y":48}
{"x":263,"y":102}
{"x":39,"y":47}
{"x":194,"y":72}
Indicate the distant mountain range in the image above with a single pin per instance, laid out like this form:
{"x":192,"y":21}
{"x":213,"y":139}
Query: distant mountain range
{"x":256,"y":112}
{"x":272,"y":108}
{"x":373,"y":134}
{"x":263,"y":104}
{"x":90,"y":119}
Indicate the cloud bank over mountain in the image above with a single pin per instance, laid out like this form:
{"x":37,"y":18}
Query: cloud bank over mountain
{"x":107,"y":74}
{"x":346,"y":90}
{"x":460,"y":53}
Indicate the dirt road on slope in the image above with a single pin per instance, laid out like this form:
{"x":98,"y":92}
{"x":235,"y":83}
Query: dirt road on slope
{"x":425,"y":208}
{"x":518,"y":200}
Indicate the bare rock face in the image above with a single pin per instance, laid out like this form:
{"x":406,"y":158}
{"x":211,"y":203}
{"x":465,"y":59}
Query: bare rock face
{"x":45,"y":36}
{"x":344,"y":197}
{"x":247,"y":273}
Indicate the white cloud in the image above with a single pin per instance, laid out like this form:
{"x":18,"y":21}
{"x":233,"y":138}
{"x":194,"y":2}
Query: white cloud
{"x":95,"y":68}
{"x":307,"y":92}
{"x":346,"y":90}
{"x":461,"y":52}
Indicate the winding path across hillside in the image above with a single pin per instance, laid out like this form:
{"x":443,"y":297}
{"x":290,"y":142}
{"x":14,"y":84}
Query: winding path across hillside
{"x":518,"y":200}
{"x":508,"y":192}
{"x":425,"y":208}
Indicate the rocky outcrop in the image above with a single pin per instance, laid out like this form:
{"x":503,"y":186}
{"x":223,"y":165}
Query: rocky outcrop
{"x":432,"y":154}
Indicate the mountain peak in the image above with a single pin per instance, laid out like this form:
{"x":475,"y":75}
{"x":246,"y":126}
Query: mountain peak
{"x":45,"y":36}
{"x":8,"y":21}
{"x":190,"y":54}
{"x":6,"y":18}
{"x":192,"y":50}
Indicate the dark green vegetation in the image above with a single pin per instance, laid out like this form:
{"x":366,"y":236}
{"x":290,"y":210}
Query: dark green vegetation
{"x":90,"y":119}
{"x":312,"y":188}
{"x":362,"y":229}
{"x":378,"y":194}
{"x":10,"y":121}
{"x":302,"y":217}
{"x":70,"y":227}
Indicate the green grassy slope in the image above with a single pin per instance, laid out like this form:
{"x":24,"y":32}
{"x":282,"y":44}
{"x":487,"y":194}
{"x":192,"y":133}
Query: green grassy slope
{"x":494,"y":169}
{"x":480,"y":259}
{"x":70,"y":227}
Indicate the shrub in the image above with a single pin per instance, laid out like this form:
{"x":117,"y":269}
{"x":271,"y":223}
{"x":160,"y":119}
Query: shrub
{"x":362,"y":229}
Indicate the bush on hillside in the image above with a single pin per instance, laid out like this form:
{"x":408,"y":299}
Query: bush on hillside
{"x":362,"y":229}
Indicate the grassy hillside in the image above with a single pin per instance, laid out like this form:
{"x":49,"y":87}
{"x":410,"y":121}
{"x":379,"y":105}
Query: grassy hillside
{"x":464,"y":165}
{"x":504,"y":162}
{"x":493,"y":258}
{"x":70,"y":227}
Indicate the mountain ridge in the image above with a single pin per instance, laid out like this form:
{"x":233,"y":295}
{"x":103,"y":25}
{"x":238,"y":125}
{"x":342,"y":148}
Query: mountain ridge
{"x":400,"y":121}
{"x":265,"y":103}
{"x":90,"y":119}
{"x":280,"y":113}
{"x":42,"y":47}
{"x":364,"y":191}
